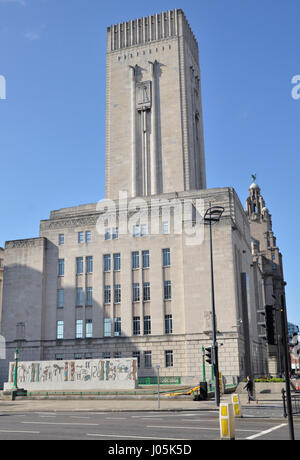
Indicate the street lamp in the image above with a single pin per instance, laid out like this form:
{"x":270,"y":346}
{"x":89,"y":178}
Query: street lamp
{"x":213,"y":215}
{"x":286,"y":366}
{"x":158,"y":387}
{"x":15,"y":387}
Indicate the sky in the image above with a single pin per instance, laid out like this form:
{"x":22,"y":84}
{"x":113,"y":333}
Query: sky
{"x":52,"y":121}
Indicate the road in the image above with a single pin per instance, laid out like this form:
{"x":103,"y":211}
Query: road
{"x":136,"y":426}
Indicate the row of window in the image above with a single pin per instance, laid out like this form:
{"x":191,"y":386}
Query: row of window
{"x":112,"y":327}
{"x":114,"y":261}
{"x":83,"y":237}
{"x":136,"y":294}
{"x":147,"y":355}
{"x":113,"y":233}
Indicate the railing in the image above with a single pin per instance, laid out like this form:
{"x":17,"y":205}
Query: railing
{"x":295,"y":402}
{"x":162,"y":380}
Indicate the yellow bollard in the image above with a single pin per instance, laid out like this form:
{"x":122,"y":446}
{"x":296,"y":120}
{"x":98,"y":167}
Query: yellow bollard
{"x":227,"y":421}
{"x":237,"y":407}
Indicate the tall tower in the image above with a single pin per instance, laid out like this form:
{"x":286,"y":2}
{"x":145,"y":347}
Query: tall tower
{"x":268,"y":260}
{"x":154,"y":129}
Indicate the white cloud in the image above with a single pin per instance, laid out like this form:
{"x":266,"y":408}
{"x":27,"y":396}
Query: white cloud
{"x":32,"y":36}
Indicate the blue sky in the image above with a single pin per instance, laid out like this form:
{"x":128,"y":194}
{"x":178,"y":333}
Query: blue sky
{"x":52,"y":123}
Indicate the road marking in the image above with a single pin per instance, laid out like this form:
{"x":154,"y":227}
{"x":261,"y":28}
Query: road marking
{"x":14,"y":431}
{"x":193,"y":428}
{"x":115,"y":418}
{"x":132,"y":437}
{"x":182,"y":427}
{"x":61,"y":423}
{"x":262,"y":433}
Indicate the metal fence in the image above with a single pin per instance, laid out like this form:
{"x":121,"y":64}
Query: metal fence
{"x":295,"y":403}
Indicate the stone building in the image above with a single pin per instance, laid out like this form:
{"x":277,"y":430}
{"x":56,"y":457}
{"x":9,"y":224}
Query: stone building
{"x":1,"y":278}
{"x":269,"y":277}
{"x":130,"y":276}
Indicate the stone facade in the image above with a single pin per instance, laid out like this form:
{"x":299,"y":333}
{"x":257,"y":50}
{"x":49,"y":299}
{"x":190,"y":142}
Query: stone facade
{"x":269,"y":277}
{"x":154,"y":132}
{"x":37,"y":296}
{"x":88,"y":288}
{"x":1,"y":278}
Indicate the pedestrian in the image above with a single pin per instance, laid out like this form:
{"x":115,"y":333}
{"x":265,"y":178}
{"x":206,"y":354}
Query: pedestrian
{"x":249,"y":387}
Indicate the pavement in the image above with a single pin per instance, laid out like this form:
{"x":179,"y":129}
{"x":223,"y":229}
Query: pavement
{"x":269,"y":406}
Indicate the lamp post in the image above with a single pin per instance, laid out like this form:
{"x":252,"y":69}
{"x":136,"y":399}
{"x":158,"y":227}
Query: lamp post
{"x":286,"y":365}
{"x":158,"y":387}
{"x":212,"y":216}
{"x":15,"y":387}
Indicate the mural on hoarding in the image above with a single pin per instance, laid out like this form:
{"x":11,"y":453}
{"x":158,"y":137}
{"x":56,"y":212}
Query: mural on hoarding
{"x":80,"y":371}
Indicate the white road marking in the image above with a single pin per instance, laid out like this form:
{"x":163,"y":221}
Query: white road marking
{"x":262,"y":433}
{"x":115,"y":418}
{"x":61,"y":423}
{"x":132,"y":437}
{"x":15,"y":431}
{"x":193,"y":428}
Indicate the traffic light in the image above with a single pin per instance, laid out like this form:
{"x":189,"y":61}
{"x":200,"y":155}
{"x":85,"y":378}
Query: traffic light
{"x":208,"y":355}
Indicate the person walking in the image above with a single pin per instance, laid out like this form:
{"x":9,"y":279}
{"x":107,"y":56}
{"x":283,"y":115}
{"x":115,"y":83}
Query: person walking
{"x":250,"y":387}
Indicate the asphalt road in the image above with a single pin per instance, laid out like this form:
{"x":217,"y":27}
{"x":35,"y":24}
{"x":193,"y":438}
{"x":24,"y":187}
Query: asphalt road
{"x":134,"y":427}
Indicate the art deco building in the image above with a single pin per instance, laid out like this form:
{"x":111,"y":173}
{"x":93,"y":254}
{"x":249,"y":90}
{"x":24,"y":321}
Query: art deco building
{"x":100,"y":282}
{"x":269,"y":278}
{"x":1,"y":279}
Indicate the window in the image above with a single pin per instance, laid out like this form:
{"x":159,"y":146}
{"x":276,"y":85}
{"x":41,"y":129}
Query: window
{"x":167,"y":290}
{"x":166,"y":257}
{"x":168,"y":324}
{"x":169,"y":358}
{"x":117,"y":355}
{"x":117,"y":262}
{"x":146,"y":259}
{"x":136,"y":292}
{"x":165,"y":228}
{"x":146,"y":291}
{"x":135,"y":260}
{"x":60,"y":330}
{"x":136,"y":231}
{"x":88,"y":356}
{"x":107,"y":327}
{"x":80,"y":237}
{"x":106,"y":355}
{"x":61,"y":239}
{"x":273,"y":256}
{"x":107,"y":294}
{"x":89,"y":296}
{"x":59,"y":357}
{"x":77,"y":356}
{"x":147,"y":359}
{"x":274,"y":267}
{"x":79,"y":265}
{"x":106,"y":262}
{"x":144,"y":230}
{"x":136,"y":325}
{"x":137,"y":354}
{"x":115,"y":233}
{"x":117,"y":326}
{"x":89,"y":328}
{"x":60,"y":298}
{"x":147,"y":325}
{"x":61,"y":267}
{"x":79,"y":297}
{"x":88,"y":236}
{"x":89,"y":264}
{"x":117,"y":293}
{"x":107,"y":234}
{"x":79,"y":329}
